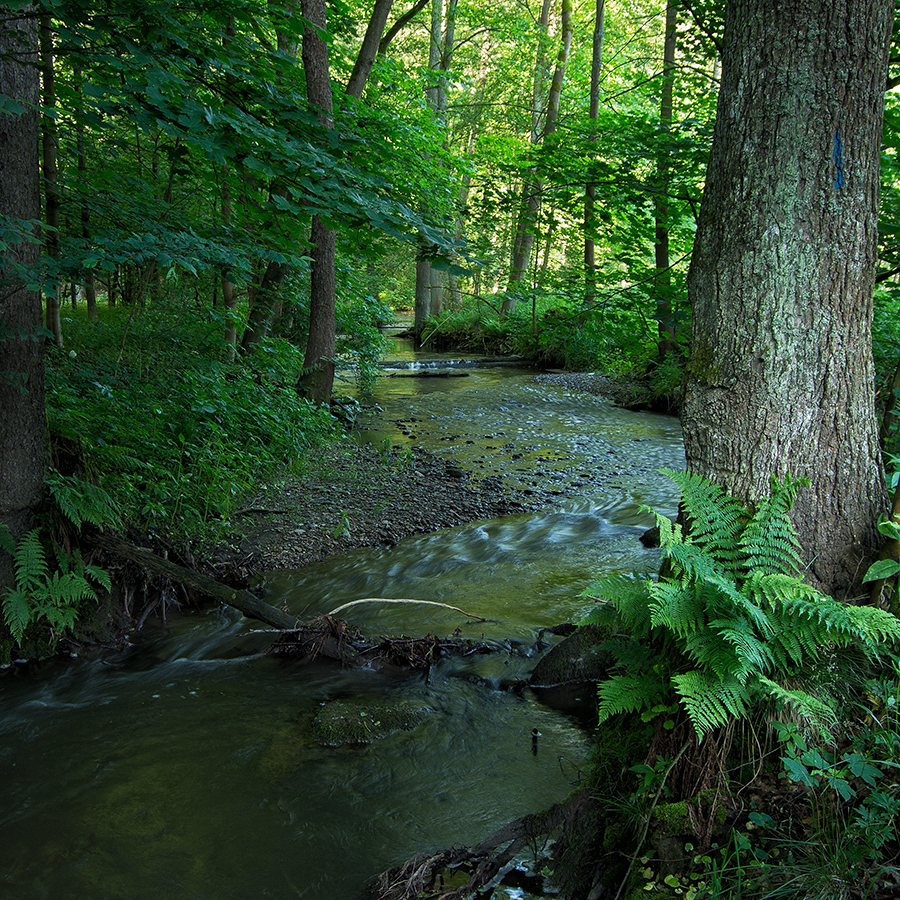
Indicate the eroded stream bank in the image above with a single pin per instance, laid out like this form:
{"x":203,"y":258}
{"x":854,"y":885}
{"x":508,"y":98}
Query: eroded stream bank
{"x":191,"y":767}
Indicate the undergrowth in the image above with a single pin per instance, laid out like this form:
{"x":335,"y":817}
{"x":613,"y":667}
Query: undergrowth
{"x":805,"y":690}
{"x":171,"y":431}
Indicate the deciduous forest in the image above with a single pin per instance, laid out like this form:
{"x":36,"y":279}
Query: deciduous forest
{"x":210,"y":213}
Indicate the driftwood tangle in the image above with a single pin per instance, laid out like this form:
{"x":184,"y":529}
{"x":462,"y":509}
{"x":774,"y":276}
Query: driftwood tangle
{"x":421,"y":877}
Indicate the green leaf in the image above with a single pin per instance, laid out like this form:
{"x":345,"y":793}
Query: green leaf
{"x":882,"y":570}
{"x":796,"y":771}
{"x":890,"y":528}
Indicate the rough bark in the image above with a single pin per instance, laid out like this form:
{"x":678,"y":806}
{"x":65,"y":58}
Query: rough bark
{"x":22,"y":435}
{"x":781,"y":377}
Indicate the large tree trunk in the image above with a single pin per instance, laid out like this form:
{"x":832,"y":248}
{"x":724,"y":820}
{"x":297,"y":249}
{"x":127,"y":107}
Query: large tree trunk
{"x":22,"y":435}
{"x":780,"y":378}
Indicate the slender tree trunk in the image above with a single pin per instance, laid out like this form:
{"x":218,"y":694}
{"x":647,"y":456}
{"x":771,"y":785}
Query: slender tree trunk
{"x":23,"y":434}
{"x":780,"y":378}
{"x":369,"y":49}
{"x":229,"y":300}
{"x":665,"y":316}
{"x":50,"y":172}
{"x":400,"y":24}
{"x":317,"y":384}
{"x":429,"y":280}
{"x":590,"y":189}
{"x":531,"y":193}
{"x":90,"y":290}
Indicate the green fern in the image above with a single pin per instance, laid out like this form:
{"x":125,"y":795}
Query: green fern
{"x":731,"y":620}
{"x":80,"y":501}
{"x":42,"y":594}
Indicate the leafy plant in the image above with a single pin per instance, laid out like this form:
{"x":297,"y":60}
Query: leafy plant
{"x":731,"y":620}
{"x":43,"y":592}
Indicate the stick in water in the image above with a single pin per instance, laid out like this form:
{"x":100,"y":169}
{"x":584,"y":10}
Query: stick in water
{"x":334,"y":612}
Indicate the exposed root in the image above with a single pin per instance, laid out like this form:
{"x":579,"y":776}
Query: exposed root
{"x":426,"y":877}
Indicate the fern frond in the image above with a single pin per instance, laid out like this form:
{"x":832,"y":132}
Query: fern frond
{"x":755,"y":655}
{"x":601,"y":614}
{"x":676,"y":606}
{"x":100,"y":576}
{"x":829,"y":621}
{"x":16,"y":612}
{"x":715,"y":519}
{"x":68,"y":590}
{"x":710,"y":701}
{"x":30,"y":561}
{"x":769,"y":542}
{"x":773,"y":588}
{"x":692,"y":560}
{"x":627,"y":595}
{"x":627,"y":693}
{"x":669,"y":532}
{"x":631,"y":655}
{"x":815,"y":713}
{"x":880,"y":623}
{"x":710,"y":651}
{"x":80,"y":501}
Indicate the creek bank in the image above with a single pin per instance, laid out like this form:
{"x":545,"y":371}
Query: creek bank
{"x":357,"y":496}
{"x":636,"y":394}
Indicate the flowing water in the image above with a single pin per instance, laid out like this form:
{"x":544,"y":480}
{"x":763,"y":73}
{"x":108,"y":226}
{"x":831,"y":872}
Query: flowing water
{"x":186,"y":767}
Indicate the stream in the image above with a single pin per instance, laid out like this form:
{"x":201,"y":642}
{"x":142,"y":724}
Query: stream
{"x":186,"y":767}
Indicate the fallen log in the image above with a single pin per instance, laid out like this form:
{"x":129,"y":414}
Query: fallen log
{"x":243,"y":601}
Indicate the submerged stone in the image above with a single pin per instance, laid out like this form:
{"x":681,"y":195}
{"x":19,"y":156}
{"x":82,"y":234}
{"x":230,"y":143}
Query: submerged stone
{"x":341,"y":722}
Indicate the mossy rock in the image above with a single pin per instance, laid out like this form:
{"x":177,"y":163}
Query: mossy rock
{"x":341,"y":722}
{"x":576,"y":659}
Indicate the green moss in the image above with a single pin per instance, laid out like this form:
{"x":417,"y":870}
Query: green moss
{"x":674,"y":817}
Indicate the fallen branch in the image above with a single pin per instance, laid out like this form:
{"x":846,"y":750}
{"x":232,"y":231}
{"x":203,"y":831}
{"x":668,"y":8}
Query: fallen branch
{"x":243,"y":601}
{"x":426,"y":602}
